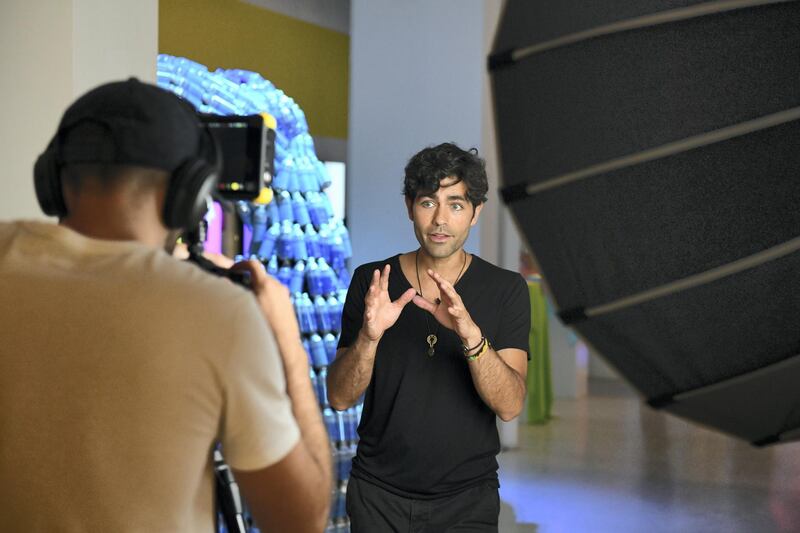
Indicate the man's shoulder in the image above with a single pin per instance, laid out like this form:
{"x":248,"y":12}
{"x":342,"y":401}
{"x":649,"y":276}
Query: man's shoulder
{"x":489,"y":271}
{"x":191,"y":280}
{"x":366,"y":269}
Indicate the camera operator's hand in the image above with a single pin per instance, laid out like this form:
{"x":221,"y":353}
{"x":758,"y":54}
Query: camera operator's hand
{"x":181,"y":251}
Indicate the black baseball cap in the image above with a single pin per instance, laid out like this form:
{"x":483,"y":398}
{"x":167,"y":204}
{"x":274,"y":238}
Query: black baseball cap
{"x":129,"y":123}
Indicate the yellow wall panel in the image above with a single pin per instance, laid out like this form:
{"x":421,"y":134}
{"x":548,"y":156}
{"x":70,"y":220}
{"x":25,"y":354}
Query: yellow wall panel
{"x":308,"y":62}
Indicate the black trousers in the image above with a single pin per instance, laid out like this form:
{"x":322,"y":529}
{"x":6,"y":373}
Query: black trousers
{"x":375,"y":510}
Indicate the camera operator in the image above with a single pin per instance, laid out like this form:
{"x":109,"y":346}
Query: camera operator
{"x":121,"y":366}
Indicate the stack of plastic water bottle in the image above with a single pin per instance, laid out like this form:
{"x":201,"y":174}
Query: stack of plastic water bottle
{"x":296,"y":235}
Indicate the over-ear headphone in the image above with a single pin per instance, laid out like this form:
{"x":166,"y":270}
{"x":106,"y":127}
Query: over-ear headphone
{"x":189,"y":187}
{"x":47,"y":181}
{"x":192,"y":183}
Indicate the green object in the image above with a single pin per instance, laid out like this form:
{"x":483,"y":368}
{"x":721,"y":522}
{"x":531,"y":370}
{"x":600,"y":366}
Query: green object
{"x":540,"y":387}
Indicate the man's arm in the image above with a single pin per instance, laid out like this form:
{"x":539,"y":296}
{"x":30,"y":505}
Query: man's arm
{"x":351,"y":371}
{"x":294,"y":493}
{"x":499,"y":377}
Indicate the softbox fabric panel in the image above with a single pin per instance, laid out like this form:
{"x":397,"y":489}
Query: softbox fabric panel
{"x":650,"y":153}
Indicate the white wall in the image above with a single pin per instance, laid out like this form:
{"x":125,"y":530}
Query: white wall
{"x":114,"y":40}
{"x":35,"y":87}
{"x":416,"y":73}
{"x":50,"y":52}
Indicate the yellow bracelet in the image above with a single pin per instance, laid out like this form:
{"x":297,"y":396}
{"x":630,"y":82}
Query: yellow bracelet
{"x":481,"y":352}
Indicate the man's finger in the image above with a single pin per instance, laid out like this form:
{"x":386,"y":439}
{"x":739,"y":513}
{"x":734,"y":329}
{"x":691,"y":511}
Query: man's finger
{"x":222,"y":261}
{"x":258,"y":274}
{"x":445,"y":286}
{"x":385,"y":278}
{"x":376,"y":278}
{"x":438,"y":278}
{"x":422,"y":303}
{"x":406,"y":297}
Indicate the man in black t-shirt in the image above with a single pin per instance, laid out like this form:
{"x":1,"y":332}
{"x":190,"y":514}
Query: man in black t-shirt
{"x":435,"y":374}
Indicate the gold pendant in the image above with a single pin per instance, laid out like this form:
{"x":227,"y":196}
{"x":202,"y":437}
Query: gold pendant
{"x":431,"y":343}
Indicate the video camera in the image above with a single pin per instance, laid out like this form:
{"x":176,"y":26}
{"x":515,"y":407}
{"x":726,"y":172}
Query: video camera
{"x":247,"y":150}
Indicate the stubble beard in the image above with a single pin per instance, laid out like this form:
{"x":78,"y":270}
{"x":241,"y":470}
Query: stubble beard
{"x":437,"y":251}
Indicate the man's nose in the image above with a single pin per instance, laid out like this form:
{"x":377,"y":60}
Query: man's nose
{"x":440,"y":216}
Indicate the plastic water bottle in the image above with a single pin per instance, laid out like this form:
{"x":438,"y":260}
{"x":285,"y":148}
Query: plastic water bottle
{"x":301,"y":125}
{"x":272,"y":266}
{"x":352,"y":424}
{"x":245,"y":212}
{"x":285,"y":274}
{"x":281,"y":180}
{"x":322,"y":386}
{"x":305,"y":314}
{"x":342,"y":231}
{"x":328,"y":278}
{"x":342,"y":512}
{"x":330,"y":342}
{"x":329,"y":418}
{"x":327,"y":207}
{"x":321,"y":312}
{"x":314,"y":379}
{"x":259,"y":228}
{"x":307,"y":348}
{"x":298,"y":278}
{"x":318,"y":354}
{"x":285,"y":246}
{"x":300,"y":250}
{"x":273,"y":213}
{"x":343,"y":278}
{"x":315,"y":209}
{"x":324,"y":242}
{"x":313,"y":279}
{"x":312,"y":241}
{"x":295,"y":178}
{"x":323,"y":176}
{"x":299,"y":209}
{"x":340,"y":429}
{"x":346,"y":463}
{"x":270,"y":239}
{"x":285,"y":206}
{"x":337,"y":251}
{"x":333,"y":513}
{"x":335,"y":312}
{"x":305,"y":184}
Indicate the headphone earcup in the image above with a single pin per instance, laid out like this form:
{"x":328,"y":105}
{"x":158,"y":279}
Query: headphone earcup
{"x":189,"y":187}
{"x":47,"y":182}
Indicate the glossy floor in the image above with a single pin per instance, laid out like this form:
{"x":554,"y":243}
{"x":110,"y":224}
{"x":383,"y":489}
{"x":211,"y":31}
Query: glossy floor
{"x":608,"y":463}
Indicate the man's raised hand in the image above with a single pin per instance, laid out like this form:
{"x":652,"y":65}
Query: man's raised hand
{"x":451,"y":312}
{"x":380,"y":312}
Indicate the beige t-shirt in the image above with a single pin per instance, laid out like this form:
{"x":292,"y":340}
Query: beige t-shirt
{"x":119,"y":367}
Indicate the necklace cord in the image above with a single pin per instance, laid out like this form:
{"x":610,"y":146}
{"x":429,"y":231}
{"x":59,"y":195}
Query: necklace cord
{"x":432,"y":338}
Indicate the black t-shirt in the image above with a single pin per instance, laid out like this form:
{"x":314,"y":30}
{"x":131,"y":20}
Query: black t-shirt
{"x":424,"y":431}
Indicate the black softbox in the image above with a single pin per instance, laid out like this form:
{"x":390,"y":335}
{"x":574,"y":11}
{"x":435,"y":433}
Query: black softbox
{"x":650,"y":155}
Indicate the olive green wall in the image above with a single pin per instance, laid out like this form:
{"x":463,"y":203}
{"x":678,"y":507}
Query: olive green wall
{"x":308,"y":62}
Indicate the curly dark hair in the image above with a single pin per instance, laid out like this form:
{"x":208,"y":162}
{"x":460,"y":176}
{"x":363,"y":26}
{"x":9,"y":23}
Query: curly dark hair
{"x":428,"y":167}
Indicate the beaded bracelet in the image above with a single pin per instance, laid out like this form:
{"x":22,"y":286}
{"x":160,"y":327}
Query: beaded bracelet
{"x":480,"y":343}
{"x":485,"y":347}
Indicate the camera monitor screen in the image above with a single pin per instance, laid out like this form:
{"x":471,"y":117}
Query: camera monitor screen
{"x":243,"y":143}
